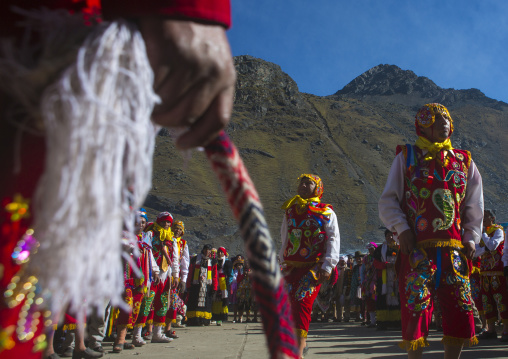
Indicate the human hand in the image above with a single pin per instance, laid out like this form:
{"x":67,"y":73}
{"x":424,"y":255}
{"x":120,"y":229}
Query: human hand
{"x":194,"y":76}
{"x":469,"y":250}
{"x":174,"y":283}
{"x":323,"y":276}
{"x":407,"y":241}
{"x":156,"y":278}
{"x":182,"y":287}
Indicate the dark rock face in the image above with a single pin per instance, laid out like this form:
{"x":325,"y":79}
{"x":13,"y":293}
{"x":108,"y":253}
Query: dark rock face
{"x":348,"y":139}
{"x":389,"y":80}
{"x":178,"y":208}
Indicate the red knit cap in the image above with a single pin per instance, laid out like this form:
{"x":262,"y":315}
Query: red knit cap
{"x":165,"y":216}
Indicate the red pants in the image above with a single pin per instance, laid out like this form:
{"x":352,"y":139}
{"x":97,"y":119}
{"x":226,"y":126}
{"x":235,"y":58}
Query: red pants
{"x":134,"y":299}
{"x":302,"y":291}
{"x":159,"y":295}
{"x":420,"y":273}
{"x":476,"y":291}
{"x":494,"y":295}
{"x":370,"y":305}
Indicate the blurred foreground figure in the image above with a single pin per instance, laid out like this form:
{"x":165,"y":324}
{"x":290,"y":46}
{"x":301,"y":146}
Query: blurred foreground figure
{"x":76,"y":97}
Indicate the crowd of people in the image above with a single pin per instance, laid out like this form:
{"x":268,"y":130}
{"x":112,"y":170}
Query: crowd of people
{"x":165,"y":287}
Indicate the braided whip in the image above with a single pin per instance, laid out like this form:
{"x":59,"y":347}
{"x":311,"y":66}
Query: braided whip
{"x":268,"y":283}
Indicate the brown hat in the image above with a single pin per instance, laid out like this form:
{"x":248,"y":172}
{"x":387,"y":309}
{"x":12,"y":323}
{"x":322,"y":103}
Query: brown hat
{"x":358,"y":254}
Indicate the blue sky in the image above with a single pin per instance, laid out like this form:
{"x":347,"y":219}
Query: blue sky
{"x":324,"y":44}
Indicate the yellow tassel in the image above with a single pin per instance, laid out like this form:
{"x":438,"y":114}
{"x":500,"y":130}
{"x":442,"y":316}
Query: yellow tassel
{"x":458,"y":342}
{"x":301,"y":333}
{"x":413,"y":345}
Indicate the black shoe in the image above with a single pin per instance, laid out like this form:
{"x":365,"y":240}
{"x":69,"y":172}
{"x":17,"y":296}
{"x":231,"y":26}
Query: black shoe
{"x":67,"y":353}
{"x":504,"y":338}
{"x":305,"y":350}
{"x":488,"y":335}
{"x":98,"y":349}
{"x":86,"y":354}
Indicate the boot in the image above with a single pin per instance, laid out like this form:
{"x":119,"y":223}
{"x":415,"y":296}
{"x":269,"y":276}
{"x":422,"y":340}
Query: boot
{"x":159,"y":336}
{"x":137,"y":339}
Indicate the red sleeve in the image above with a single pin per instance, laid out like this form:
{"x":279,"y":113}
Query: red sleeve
{"x":215,"y":278}
{"x":379,"y":265}
{"x":213,"y":11}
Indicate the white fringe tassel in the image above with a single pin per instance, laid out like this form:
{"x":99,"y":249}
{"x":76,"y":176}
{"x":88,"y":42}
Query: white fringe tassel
{"x":100,"y":143}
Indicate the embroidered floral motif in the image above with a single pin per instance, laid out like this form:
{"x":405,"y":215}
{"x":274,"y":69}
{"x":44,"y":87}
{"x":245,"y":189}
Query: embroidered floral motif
{"x":424,"y":193}
{"x":147,"y":303}
{"x":417,"y":293}
{"x":459,"y":279}
{"x":164,"y":308}
{"x":443,"y":201}
{"x":475,"y":288}
{"x":422,"y":224}
{"x":304,"y":252}
{"x":295,"y":238}
{"x":306,"y":287}
{"x":459,"y":265}
{"x":498,"y":297}
{"x":487,"y":307}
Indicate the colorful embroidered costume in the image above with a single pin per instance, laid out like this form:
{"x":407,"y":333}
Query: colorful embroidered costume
{"x":310,"y":242}
{"x":176,"y":304}
{"x":387,"y":303}
{"x":201,"y":284}
{"x":369,"y":280}
{"x":221,"y":298}
{"x":164,"y":252}
{"x":494,"y":291}
{"x":436,"y":192}
{"x":23,"y":151}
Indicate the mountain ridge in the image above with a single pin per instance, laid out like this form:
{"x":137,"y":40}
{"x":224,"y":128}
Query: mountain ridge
{"x":347,"y":138}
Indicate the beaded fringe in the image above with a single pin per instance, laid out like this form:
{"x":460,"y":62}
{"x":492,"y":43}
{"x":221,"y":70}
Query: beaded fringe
{"x":413,"y":345}
{"x":458,"y":342}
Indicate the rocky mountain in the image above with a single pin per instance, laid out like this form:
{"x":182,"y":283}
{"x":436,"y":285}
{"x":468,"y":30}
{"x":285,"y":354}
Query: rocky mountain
{"x":347,"y":138}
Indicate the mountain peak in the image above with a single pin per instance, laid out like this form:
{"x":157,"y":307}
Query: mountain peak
{"x":390,"y":80}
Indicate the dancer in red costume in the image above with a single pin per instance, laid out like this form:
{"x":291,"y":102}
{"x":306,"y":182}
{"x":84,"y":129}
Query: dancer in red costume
{"x":178,"y":285}
{"x":309,"y":251}
{"x":201,"y":99}
{"x":433,"y":199}
{"x":493,"y":281}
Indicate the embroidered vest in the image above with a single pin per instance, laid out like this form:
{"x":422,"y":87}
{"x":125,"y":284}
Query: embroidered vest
{"x":433,"y":193}
{"x":306,"y":235}
{"x":157,"y":247}
{"x":491,"y":260}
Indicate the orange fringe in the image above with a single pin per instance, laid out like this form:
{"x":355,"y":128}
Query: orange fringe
{"x":413,"y":345}
{"x":458,"y":342}
{"x":433,"y":243}
{"x":301,"y":333}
